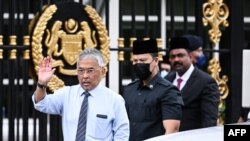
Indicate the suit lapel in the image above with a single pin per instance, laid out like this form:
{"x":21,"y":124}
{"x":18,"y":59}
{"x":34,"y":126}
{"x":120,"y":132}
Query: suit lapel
{"x":186,"y":89}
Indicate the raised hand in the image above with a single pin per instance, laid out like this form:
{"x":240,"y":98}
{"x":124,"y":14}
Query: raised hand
{"x":45,"y":71}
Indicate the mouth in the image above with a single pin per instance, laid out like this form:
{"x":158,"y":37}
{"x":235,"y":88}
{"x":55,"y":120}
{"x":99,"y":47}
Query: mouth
{"x":85,"y":83}
{"x":177,"y":65}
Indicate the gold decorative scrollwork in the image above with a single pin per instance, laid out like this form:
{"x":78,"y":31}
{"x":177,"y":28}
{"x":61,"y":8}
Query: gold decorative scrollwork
{"x":55,"y":82}
{"x":88,"y":36}
{"x":214,"y":69}
{"x":102,"y":32}
{"x":215,"y":13}
{"x":51,"y":40}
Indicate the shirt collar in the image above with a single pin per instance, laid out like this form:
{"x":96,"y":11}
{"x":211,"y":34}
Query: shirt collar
{"x":152,"y":82}
{"x":95,"y":91}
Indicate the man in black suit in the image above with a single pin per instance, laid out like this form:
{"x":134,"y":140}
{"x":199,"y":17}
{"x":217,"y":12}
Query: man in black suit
{"x":199,"y":90}
{"x":153,"y":104}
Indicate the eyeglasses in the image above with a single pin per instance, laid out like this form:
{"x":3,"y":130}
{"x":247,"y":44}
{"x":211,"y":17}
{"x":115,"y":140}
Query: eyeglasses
{"x":88,"y":71}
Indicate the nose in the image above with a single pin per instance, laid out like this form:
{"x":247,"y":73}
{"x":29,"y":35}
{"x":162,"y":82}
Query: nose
{"x":85,"y":74}
{"x":135,"y":62}
{"x":175,"y":59}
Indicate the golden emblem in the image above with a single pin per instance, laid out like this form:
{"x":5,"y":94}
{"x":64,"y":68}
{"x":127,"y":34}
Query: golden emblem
{"x":64,"y":39}
{"x":71,"y":43}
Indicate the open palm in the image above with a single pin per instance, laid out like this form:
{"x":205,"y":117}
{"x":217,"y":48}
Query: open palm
{"x":45,"y":71}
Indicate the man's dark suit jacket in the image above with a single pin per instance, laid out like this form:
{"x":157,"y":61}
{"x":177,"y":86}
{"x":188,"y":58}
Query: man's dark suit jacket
{"x":201,"y":99}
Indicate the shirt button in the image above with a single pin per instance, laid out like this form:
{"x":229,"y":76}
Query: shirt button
{"x":134,"y":123}
{"x":139,"y":93}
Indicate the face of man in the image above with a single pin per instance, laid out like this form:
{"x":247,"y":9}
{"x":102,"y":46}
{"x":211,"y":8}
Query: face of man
{"x":165,"y":69}
{"x":180,"y":60}
{"x":89,"y":73}
{"x":165,"y":66}
{"x":140,"y":60}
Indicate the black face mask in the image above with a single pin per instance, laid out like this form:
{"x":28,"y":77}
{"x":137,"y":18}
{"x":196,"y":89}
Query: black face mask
{"x":142,"y":70}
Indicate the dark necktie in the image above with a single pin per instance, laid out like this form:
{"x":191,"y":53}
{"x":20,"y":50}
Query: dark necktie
{"x":82,"y":122}
{"x":179,"y":80}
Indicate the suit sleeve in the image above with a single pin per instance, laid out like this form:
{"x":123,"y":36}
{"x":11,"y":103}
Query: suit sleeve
{"x":210,"y":104}
{"x":172,"y":104}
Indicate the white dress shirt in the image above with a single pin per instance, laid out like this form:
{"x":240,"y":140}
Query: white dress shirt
{"x":107,"y":118}
{"x":184,"y":77}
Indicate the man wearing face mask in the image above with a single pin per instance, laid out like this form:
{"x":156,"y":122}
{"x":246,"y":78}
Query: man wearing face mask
{"x":197,"y":56}
{"x":165,"y":66}
{"x":153,"y":104}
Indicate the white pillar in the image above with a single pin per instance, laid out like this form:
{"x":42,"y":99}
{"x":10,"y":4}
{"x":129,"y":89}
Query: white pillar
{"x":114,"y":35}
{"x":245,"y":79}
{"x":163,"y":23}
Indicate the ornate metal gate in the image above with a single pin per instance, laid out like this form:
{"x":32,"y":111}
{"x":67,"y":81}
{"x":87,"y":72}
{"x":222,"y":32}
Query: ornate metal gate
{"x":22,"y":46}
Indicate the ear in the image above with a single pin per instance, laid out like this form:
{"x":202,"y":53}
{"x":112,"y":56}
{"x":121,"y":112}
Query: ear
{"x":104,"y":71}
{"x":156,"y":60}
{"x":190,"y":54}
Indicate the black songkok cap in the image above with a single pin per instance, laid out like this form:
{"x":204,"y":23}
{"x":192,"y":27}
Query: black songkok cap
{"x":145,"y":46}
{"x":195,"y":42}
{"x":179,"y":42}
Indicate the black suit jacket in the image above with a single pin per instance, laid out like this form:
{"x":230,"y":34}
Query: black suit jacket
{"x":201,"y":100}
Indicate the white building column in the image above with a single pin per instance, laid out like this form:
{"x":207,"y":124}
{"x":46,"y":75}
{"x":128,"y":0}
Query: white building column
{"x":163,"y":24}
{"x":114,"y":35}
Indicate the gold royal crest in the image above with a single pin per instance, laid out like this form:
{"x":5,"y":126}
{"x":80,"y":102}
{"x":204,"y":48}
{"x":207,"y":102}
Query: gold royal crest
{"x":64,"y":37}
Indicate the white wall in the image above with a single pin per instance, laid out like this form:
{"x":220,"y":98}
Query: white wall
{"x":246,"y":79}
